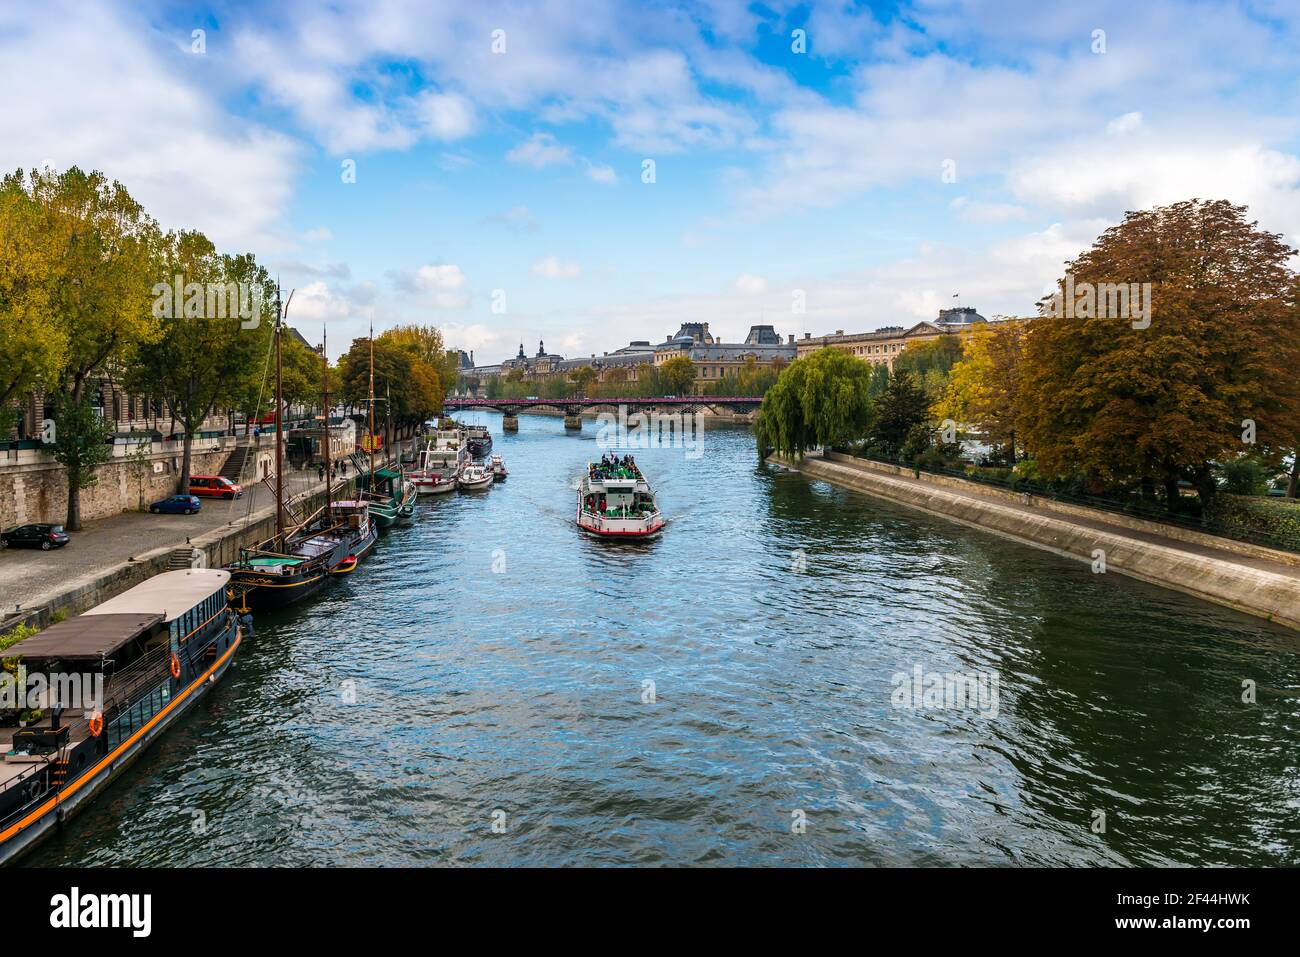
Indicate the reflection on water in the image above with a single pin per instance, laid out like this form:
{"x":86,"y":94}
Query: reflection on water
{"x":523,"y":699}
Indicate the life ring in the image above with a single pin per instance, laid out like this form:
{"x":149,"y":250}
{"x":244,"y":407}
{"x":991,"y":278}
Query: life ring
{"x":176,"y":666}
{"x":96,"y":725}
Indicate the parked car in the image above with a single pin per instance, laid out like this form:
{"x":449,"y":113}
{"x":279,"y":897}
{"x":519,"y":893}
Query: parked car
{"x":43,"y":537}
{"x":214,"y":486}
{"x":177,"y":505}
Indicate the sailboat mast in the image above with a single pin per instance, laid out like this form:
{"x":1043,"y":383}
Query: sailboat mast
{"x":371,"y":443}
{"x":325,"y":424}
{"x":279,"y":424}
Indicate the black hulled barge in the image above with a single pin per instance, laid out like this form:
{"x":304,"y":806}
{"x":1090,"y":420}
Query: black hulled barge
{"x":114,"y":679}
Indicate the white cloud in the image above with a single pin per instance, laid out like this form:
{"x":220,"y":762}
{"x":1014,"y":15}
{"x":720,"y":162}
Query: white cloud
{"x":84,"y":87}
{"x":601,"y":174}
{"x":552,"y":268}
{"x":750,"y":285}
{"x":1156,"y":172}
{"x":446,"y":116}
{"x":540,"y":150}
{"x":975,"y":211}
{"x":1124,"y":124}
{"x":295,"y":267}
{"x":473,"y":336}
{"x":440,"y":286}
{"x":439,"y":277}
{"x":317,"y":302}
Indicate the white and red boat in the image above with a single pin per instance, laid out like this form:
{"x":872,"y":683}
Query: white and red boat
{"x":615,"y":501}
{"x":438,"y":468}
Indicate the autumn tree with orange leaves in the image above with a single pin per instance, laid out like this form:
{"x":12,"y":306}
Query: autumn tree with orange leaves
{"x":1152,"y":406}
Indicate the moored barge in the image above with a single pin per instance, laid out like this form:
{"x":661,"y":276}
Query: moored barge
{"x":114,"y":679}
{"x":479,"y":440}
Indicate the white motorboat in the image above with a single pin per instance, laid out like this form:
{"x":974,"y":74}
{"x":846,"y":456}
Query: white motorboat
{"x":473,"y":478}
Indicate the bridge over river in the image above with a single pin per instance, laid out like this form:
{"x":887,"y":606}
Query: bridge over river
{"x":574,"y":409}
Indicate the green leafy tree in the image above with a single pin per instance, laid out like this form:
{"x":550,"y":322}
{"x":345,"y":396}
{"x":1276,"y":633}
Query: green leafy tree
{"x":207,"y":349}
{"x":441,"y":366}
{"x":33,"y":342}
{"x":81,"y":446}
{"x":901,"y":413}
{"x":676,"y":376}
{"x":106,"y":248}
{"x":930,"y":362}
{"x":410,"y":386}
{"x":104,"y":251}
{"x":820,"y":400}
{"x":583,"y":378}
{"x":983,"y":388}
{"x":302,"y":372}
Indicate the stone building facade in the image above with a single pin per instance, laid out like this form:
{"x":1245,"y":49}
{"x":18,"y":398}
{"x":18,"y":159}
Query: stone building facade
{"x":711,"y":357}
{"x":883,"y":346}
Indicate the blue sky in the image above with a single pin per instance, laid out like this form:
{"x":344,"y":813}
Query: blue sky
{"x":519,"y":173}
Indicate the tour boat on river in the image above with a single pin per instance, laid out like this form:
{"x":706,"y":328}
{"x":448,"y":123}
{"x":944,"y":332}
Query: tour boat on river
{"x":615,"y":501}
{"x":498,"y":468}
{"x":114,"y":679}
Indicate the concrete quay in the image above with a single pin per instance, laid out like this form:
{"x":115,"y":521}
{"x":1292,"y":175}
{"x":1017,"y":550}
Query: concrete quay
{"x":1251,"y":579}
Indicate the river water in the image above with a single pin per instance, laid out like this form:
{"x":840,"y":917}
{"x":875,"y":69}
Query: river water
{"x":492,"y":688}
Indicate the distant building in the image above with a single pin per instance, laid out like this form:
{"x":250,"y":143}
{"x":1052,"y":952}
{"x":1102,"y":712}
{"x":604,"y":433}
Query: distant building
{"x":541,"y":364}
{"x":762,"y":336}
{"x":958,"y":319}
{"x":883,"y":346}
{"x":295,"y":334}
{"x":711,"y":357}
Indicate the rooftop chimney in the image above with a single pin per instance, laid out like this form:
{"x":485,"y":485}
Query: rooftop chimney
{"x":839,"y":332}
{"x":807,"y":335}
{"x":790,"y":341}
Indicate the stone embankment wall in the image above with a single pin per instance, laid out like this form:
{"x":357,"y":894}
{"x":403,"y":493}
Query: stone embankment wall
{"x":1250,"y":579}
{"x":36,"y":490}
{"x":211,"y":549}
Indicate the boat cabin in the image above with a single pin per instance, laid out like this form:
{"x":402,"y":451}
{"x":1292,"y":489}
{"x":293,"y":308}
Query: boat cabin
{"x":83,"y":688}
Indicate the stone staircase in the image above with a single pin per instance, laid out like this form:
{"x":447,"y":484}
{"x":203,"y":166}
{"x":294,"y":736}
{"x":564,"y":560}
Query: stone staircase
{"x":180,"y":558}
{"x":234,"y":465}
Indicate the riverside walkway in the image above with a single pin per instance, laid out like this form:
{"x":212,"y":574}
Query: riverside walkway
{"x":30,"y":577}
{"x":1259,"y":581}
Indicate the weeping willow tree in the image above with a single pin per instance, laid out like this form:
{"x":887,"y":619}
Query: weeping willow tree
{"x":820,"y":400}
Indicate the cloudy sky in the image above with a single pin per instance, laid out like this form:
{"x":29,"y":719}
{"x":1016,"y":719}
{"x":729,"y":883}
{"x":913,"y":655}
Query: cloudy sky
{"x":890,"y":156}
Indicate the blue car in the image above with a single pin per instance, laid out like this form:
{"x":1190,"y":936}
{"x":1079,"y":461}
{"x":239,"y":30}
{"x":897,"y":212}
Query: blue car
{"x":177,"y":505}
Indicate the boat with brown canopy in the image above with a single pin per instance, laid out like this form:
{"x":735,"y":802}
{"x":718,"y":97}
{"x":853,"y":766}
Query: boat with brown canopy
{"x":82,"y":699}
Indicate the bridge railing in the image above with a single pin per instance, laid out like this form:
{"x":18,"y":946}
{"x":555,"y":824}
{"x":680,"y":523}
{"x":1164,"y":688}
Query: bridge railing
{"x":462,"y":403}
